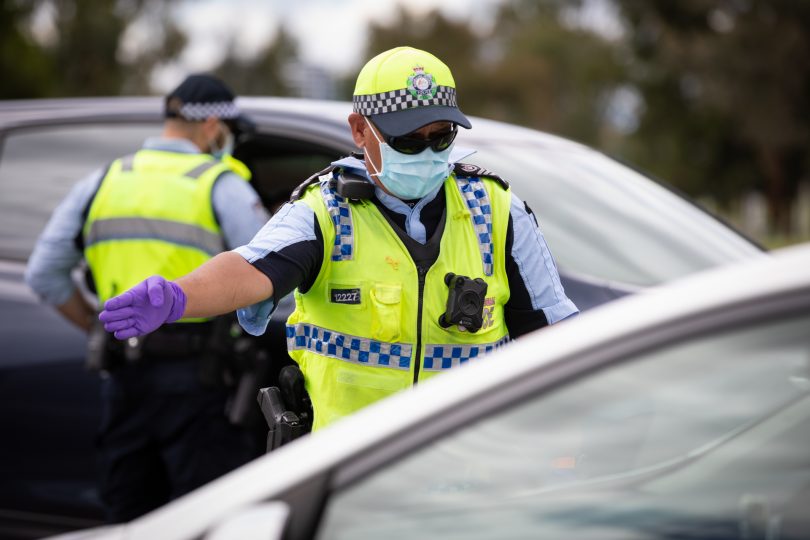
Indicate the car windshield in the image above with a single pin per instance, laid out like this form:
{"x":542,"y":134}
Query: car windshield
{"x":604,"y":220}
{"x":699,"y":439}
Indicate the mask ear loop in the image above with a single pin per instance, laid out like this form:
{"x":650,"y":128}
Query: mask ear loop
{"x":377,"y":172}
{"x":214,"y":145}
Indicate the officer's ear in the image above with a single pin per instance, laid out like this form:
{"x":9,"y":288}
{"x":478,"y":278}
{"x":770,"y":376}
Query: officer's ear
{"x":358,"y":127}
{"x":210,"y":128}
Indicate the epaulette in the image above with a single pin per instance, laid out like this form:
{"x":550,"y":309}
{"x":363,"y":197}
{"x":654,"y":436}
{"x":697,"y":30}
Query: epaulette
{"x":467,"y":170}
{"x":302,"y":187}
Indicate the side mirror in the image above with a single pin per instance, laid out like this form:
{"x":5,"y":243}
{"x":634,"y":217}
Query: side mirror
{"x":264,"y":521}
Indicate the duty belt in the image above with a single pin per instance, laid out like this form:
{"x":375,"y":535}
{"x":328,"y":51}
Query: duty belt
{"x":171,"y":341}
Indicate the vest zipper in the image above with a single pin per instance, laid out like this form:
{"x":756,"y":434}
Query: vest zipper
{"x":422,"y":271}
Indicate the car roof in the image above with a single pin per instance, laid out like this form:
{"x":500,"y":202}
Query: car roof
{"x":547,"y":351}
{"x":32,"y":112}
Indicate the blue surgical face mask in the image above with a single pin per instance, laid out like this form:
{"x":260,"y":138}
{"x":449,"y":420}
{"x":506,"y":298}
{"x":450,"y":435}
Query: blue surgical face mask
{"x":411,"y":176}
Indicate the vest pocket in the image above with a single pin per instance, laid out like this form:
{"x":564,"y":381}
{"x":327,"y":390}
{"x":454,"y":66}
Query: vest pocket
{"x":386,"y":312}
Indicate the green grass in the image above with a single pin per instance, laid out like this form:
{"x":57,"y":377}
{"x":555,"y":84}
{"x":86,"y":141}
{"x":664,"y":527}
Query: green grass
{"x":775,"y":241}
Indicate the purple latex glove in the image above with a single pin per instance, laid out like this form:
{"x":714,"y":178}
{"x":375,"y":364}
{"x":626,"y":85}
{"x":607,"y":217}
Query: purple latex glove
{"x":143,"y":308}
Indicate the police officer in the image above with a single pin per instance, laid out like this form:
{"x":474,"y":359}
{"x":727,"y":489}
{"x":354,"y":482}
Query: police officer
{"x":404,"y":262}
{"x":166,"y":209}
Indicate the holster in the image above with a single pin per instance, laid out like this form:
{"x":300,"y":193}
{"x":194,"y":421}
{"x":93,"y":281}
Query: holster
{"x":104,"y":352}
{"x":284,"y":425}
{"x":286,"y":408}
{"x":242,"y":365}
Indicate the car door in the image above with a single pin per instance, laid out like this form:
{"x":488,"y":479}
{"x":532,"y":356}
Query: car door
{"x":48,"y":402}
{"x":697,"y":429}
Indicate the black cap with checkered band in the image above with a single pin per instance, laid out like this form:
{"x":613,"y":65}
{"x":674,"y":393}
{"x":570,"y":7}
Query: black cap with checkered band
{"x":202,"y":96}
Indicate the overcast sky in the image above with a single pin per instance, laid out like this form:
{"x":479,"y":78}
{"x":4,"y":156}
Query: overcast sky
{"x":330,"y":33}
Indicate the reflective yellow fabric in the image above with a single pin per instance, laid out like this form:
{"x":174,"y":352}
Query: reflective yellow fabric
{"x":237,"y":166}
{"x":390,"y":70}
{"x":152,"y":215}
{"x":387,"y":312}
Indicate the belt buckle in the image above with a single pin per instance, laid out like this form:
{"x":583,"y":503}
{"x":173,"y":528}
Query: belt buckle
{"x":132,"y":349}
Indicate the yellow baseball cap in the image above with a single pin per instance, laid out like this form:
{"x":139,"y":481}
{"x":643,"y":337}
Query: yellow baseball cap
{"x":403,"y":89}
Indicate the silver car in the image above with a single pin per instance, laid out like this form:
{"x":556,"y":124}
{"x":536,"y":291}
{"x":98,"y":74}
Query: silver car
{"x":680,"y":412}
{"x":612,"y":231}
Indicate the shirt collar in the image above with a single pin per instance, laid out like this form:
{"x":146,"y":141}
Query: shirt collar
{"x":181,"y":146}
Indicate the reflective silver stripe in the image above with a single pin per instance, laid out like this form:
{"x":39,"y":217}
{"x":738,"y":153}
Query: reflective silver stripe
{"x":444,"y":356}
{"x":357,"y":350}
{"x":183,"y":234}
{"x":127,"y":163}
{"x":200,"y":169}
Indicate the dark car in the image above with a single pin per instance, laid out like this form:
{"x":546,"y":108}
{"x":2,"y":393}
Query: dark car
{"x":612,"y":231}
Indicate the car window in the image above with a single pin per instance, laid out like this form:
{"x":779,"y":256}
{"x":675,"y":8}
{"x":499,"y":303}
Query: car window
{"x":39,"y":166}
{"x":702,"y":439}
{"x":604,"y":220}
{"x":280,"y":164}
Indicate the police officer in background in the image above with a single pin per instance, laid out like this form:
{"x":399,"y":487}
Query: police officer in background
{"x":166,"y":209}
{"x":404,"y":262}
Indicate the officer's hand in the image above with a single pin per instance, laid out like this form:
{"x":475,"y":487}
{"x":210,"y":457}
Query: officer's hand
{"x":143,"y":308}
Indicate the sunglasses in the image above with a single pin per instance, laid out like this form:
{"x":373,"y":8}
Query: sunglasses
{"x":409,"y":144}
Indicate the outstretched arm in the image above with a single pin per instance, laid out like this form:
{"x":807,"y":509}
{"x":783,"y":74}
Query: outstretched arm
{"x":221,"y":285}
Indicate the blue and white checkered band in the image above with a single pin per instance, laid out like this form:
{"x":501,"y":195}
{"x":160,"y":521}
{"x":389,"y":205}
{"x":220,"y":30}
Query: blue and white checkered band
{"x":350,"y":348}
{"x":441,"y":357}
{"x":341,"y":215}
{"x":399,"y":100}
{"x":202,"y":111}
{"x":473,"y":191}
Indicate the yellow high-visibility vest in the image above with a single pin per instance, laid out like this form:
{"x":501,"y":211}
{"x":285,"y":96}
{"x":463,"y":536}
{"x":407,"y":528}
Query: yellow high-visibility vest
{"x":152,"y":215}
{"x":369,"y":325}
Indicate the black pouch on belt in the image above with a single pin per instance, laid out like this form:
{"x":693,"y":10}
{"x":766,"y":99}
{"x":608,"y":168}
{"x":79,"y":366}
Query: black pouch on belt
{"x":104,"y":352}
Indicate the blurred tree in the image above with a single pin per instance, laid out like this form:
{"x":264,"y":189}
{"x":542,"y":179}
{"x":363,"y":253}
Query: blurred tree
{"x":82,"y":54}
{"x":164,"y":45}
{"x":532,"y":70}
{"x":718,"y":88}
{"x":264,"y":73}
{"x":454,"y":42}
{"x":86,"y":46}
{"x":549,"y":74}
{"x":25,"y":68}
{"x":725,"y":85}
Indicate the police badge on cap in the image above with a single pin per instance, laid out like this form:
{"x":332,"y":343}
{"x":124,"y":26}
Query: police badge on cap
{"x":421,"y":85}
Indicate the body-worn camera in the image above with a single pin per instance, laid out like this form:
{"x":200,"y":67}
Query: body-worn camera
{"x":465,"y":302}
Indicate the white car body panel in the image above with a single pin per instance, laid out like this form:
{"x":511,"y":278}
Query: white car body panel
{"x":195,"y":514}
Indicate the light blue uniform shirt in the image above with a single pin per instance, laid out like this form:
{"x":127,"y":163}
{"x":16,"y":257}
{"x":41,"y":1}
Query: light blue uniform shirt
{"x":55,"y":255}
{"x":294,"y":223}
